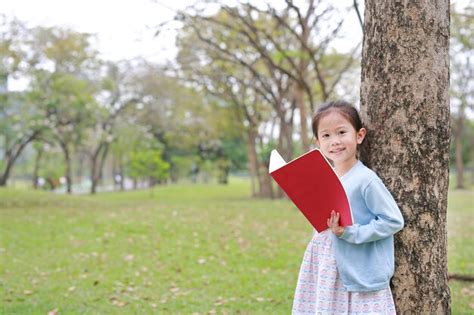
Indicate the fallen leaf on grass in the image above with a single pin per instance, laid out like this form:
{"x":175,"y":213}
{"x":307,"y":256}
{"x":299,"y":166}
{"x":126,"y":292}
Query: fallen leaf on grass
{"x":201,"y":261}
{"x":220,"y":301}
{"x":174,"y":290}
{"x":118,"y":303}
{"x":128,"y":257}
{"x":72,"y":289}
{"x":27,"y":292}
{"x":53,"y":312}
{"x":468,"y":291}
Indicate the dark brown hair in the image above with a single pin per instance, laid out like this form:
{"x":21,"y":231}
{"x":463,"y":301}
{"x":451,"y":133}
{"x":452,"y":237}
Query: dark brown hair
{"x":346,"y":109}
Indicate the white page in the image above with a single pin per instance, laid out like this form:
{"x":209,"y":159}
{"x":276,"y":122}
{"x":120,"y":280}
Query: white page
{"x":276,"y":161}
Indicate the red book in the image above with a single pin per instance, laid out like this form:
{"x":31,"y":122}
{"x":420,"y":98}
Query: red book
{"x":313,"y":186}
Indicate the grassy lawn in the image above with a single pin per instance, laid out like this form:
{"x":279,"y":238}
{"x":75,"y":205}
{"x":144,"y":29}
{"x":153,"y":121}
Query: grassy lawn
{"x":461,"y":248}
{"x":183,"y":249}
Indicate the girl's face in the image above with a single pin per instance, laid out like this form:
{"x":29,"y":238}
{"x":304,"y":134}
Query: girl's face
{"x":338,"y":139}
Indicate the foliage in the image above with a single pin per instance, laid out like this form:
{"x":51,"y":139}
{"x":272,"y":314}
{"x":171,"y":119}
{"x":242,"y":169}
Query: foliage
{"x":148,"y":164}
{"x":231,"y":94}
{"x":183,"y":167}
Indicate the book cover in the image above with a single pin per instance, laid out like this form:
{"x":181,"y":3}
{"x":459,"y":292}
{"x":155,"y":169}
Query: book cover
{"x":313,"y":186}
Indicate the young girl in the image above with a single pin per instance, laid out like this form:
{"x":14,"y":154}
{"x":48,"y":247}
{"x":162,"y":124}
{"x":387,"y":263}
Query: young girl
{"x":347,"y":270}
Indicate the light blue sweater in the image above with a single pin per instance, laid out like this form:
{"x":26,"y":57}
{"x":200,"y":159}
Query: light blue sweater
{"x":364,"y":252}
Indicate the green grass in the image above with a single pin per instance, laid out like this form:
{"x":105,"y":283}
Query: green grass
{"x":461,"y":248}
{"x":180,"y":249}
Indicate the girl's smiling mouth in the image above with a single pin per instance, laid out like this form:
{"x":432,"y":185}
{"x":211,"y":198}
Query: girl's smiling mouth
{"x":337,"y":150}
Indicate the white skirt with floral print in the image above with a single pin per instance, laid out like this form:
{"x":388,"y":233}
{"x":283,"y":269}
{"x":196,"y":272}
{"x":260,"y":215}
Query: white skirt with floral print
{"x":320,"y":291}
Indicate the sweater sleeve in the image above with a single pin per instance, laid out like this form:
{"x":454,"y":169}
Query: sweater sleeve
{"x":387,"y":220}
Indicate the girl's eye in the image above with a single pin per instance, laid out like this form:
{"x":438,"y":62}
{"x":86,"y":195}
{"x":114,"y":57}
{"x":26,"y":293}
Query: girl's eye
{"x":325,"y":135}
{"x":342,"y":132}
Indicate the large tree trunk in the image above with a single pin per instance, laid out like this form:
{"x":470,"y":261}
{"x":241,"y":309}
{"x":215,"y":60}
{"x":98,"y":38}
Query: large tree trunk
{"x":405,"y":105}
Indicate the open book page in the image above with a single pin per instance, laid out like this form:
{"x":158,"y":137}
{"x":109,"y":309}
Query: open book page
{"x":276,"y":161}
{"x":313,"y":186}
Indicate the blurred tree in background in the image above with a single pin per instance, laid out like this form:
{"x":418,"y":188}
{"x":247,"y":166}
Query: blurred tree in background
{"x":270,"y":65}
{"x":462,"y":89}
{"x":246,"y":79}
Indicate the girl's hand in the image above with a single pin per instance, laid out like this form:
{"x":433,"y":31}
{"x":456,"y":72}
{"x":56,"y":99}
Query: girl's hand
{"x":333,"y":224}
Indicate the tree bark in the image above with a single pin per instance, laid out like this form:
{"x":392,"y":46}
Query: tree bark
{"x":405,"y":106}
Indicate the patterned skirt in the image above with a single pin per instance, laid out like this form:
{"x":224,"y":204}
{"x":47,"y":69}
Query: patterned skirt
{"x":320,"y":290}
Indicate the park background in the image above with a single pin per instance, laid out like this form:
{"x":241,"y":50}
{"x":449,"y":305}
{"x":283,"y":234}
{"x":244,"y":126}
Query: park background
{"x":170,"y":208}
